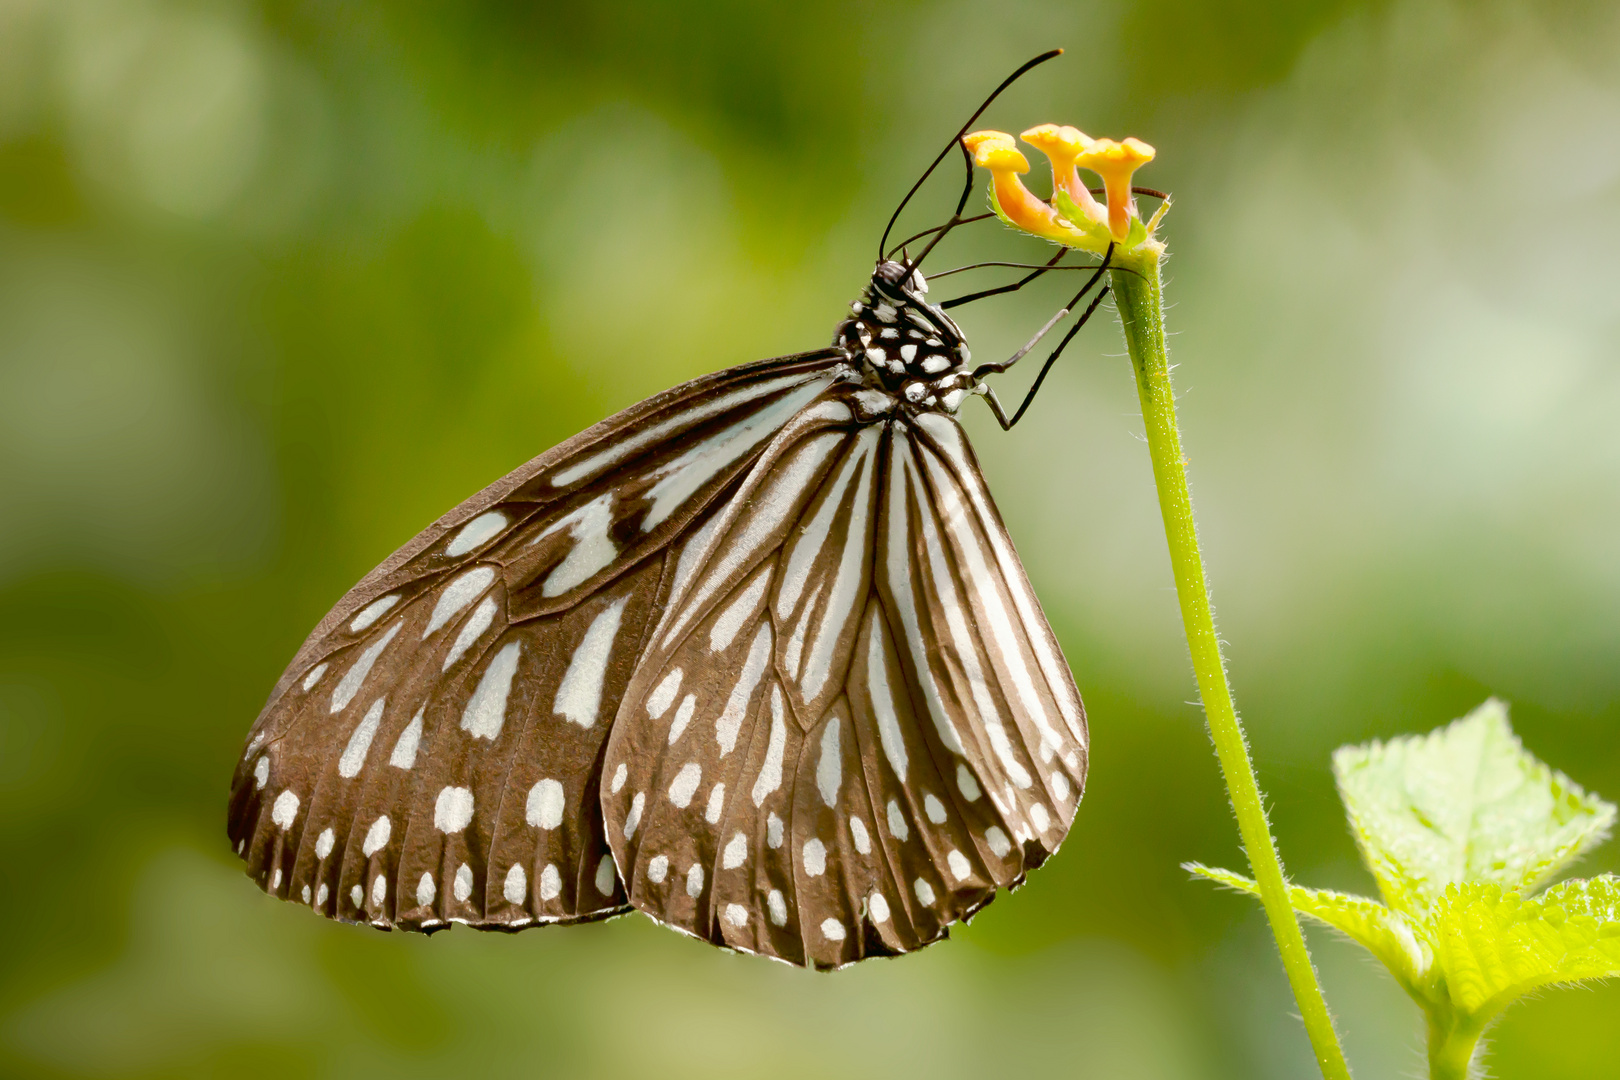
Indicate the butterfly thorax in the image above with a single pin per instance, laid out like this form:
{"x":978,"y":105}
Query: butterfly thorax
{"x":904,"y":345}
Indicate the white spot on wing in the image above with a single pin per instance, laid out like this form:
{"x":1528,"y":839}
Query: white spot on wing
{"x":924,"y":891}
{"x":997,"y":841}
{"x":878,"y":906}
{"x":833,"y":930}
{"x":958,"y":864}
{"x":314,"y":676}
{"x":694,"y":880}
{"x":476,"y":532}
{"x":453,"y":811}
{"x":934,"y":808}
{"x":321,"y":893}
{"x":620,"y":774}
{"x":770,"y":774}
{"x":773,"y":831}
{"x":324,"y":843}
{"x":1060,"y":787}
{"x":579,"y":696}
{"x":377,"y":836}
{"x":857,"y":832}
{"x":261,"y":773}
{"x":550,"y":882}
{"x":793,"y":654}
{"x":882,"y":697}
{"x":379,"y":890}
{"x":426,"y":890}
{"x":545,"y":806}
{"x":731,"y":620}
{"x":593,"y":549}
{"x":471,"y":630}
{"x":457,"y":595}
{"x":1038,"y":817}
{"x":658,"y":869}
{"x":717,"y":803}
{"x":606,"y":876}
{"x":486,"y":709}
{"x":965,"y":783}
{"x":685,"y":784}
{"x":815,"y":858}
{"x":730,"y":722}
{"x":829,"y":769}
{"x":373,"y":611}
{"x":285,"y":811}
{"x":663,"y":695}
{"x":463,"y":885}
{"x":736,"y":915}
{"x":633,"y":818}
{"x":683,"y":716}
{"x":354,"y":754}
{"x":404,"y":754}
{"x":358,"y":895}
{"x":777,"y":906}
{"x":349,"y":685}
{"x":736,"y":852}
{"x":687,"y":564}
{"x":516,"y":886}
{"x":897,"y":822}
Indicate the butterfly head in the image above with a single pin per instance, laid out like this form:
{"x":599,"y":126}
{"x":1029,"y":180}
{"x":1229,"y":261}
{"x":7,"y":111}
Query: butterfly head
{"x":905,"y":345}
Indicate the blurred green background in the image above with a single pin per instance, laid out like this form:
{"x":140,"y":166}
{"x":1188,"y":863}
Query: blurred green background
{"x":281,"y":282}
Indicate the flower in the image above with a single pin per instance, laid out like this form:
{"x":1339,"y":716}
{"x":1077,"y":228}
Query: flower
{"x":1064,"y":147}
{"x":1115,"y":162}
{"x":1073,"y":217}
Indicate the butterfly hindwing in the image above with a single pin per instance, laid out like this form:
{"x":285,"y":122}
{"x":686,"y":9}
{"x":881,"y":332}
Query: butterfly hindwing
{"x":433,"y":753}
{"x":847,"y":731}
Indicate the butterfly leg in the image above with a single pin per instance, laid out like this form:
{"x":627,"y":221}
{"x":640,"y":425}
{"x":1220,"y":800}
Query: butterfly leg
{"x":1014,"y":287}
{"x":996,"y":369}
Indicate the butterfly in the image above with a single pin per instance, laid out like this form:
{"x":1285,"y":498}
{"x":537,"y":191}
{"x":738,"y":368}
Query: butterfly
{"x":755,"y":657}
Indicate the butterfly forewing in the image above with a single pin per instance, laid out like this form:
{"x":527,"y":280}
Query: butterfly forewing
{"x":844,"y":735}
{"x":434,"y":751}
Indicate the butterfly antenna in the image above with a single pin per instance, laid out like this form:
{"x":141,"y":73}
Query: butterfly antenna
{"x":956,"y":141}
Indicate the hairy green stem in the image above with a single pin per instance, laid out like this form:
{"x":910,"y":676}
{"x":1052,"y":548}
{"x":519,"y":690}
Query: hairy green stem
{"x":1451,"y":1047}
{"x":1139,"y":296}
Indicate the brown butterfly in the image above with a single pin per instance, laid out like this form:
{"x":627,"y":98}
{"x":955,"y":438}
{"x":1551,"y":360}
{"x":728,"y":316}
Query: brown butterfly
{"x":755,"y":657}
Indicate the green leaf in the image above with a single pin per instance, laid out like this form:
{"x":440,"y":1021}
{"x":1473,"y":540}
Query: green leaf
{"x":1495,"y":947}
{"x":1465,"y":803}
{"x":1388,"y":935}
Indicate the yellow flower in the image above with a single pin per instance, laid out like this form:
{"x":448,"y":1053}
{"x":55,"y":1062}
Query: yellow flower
{"x":1063,"y":147}
{"x":1115,"y":162}
{"x":1069,"y":150}
{"x":996,"y":151}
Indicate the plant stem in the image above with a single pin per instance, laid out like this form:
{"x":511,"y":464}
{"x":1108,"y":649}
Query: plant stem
{"x":1138,"y":294}
{"x":1451,"y":1048}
